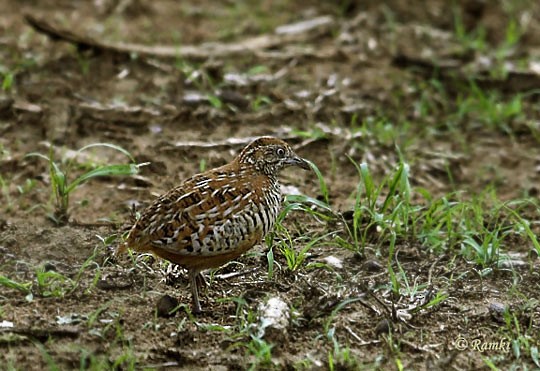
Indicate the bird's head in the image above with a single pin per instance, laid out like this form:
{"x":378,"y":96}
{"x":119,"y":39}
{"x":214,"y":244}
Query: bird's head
{"x":271,"y":155}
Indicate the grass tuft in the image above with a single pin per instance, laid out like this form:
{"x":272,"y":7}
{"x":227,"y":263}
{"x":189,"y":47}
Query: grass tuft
{"x":62,"y":186}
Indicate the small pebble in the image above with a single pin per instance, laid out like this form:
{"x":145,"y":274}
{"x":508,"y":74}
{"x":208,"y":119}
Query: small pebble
{"x":496,"y":310}
{"x":165,"y":306}
{"x":274,"y":317}
{"x":383,"y":327}
{"x":348,"y":215}
{"x":49,"y":267}
{"x":372,"y":266}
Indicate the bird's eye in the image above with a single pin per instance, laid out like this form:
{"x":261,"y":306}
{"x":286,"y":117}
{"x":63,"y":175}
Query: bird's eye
{"x":280,"y":152}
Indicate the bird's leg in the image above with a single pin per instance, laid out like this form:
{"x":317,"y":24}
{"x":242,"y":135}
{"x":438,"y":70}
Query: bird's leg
{"x":193,"y":275}
{"x":201,"y":281}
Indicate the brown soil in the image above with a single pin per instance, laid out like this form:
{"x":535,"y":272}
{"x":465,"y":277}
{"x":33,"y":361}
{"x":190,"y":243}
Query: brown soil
{"x":349,"y":72}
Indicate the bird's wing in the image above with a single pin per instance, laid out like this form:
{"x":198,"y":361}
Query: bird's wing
{"x":190,"y":211}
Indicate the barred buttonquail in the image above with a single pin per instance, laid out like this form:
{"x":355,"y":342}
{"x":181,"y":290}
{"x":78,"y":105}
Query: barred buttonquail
{"x":216,"y":216}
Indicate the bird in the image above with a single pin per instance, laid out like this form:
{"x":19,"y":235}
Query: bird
{"x":216,"y":216}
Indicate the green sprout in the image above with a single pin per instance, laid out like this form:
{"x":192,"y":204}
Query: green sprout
{"x":61,"y":185}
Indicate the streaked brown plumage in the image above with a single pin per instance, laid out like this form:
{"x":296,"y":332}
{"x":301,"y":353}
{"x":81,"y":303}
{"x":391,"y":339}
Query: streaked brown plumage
{"x":216,"y":216}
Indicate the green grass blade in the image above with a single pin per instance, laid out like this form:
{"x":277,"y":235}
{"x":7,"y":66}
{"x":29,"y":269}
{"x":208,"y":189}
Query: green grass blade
{"x":534,"y":356}
{"x":108,"y":145}
{"x":525,"y":225}
{"x":36,"y":154}
{"x":270,"y":259}
{"x":22,"y":287}
{"x":405,"y":185}
{"x":365,"y":175}
{"x":302,"y":199}
{"x":337,"y":308}
{"x":107,"y":170}
{"x":58,"y":177}
{"x":322,"y":182}
{"x":369,"y":186}
{"x":393,"y":187}
{"x":287,"y":209}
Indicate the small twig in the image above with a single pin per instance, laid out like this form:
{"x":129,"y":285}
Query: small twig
{"x":76,"y":223}
{"x":380,"y":302}
{"x":368,"y":306}
{"x":225,"y":276}
{"x":161,"y":365}
{"x":245,"y":283}
{"x":42,"y":334}
{"x":422,"y":349}
{"x":292,"y":33}
{"x":430,"y":271}
{"x":359,"y":339}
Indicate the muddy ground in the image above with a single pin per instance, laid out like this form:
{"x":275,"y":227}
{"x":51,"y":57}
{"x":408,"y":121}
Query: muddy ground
{"x":368,"y":81}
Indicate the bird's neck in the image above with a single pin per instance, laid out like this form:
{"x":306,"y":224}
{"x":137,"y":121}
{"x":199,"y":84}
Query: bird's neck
{"x":247,"y":163}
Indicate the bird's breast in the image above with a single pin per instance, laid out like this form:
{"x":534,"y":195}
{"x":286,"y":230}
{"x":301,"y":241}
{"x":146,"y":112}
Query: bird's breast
{"x":257,"y":218}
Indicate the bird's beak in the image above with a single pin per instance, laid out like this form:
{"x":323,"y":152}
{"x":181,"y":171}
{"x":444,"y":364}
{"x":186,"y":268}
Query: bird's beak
{"x":300,"y":162}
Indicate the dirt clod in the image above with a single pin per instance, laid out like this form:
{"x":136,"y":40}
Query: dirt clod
{"x":166,"y":305}
{"x":422,"y":118}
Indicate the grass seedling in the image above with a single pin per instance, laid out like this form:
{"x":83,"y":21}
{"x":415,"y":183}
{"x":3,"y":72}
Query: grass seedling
{"x":214,"y":101}
{"x":488,"y":108}
{"x":51,"y":364}
{"x":88,"y":360}
{"x":51,"y":283}
{"x":523,"y":337}
{"x":25,"y":288}
{"x":474,"y":40}
{"x":259,"y":102}
{"x":4,"y":189}
{"x":9,"y":73}
{"x":322,"y":183}
{"x":313,"y":133}
{"x":435,"y":224}
{"x":483,"y":230}
{"x":329,"y":331}
{"x":89,"y":262}
{"x":62,"y":186}
{"x":261,"y":352}
{"x":202,"y":165}
{"x":341,"y":358}
{"x":525,"y":225}
{"x":392,"y":215}
{"x":512,"y":35}
{"x":486,"y":252}
{"x":201,"y":80}
{"x":126,"y":361}
{"x":383,"y":131}
{"x":93,"y":317}
{"x":47,"y":284}
{"x":270,"y":260}
{"x":246,"y":337}
{"x":296,"y":259}
{"x":8,"y":79}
